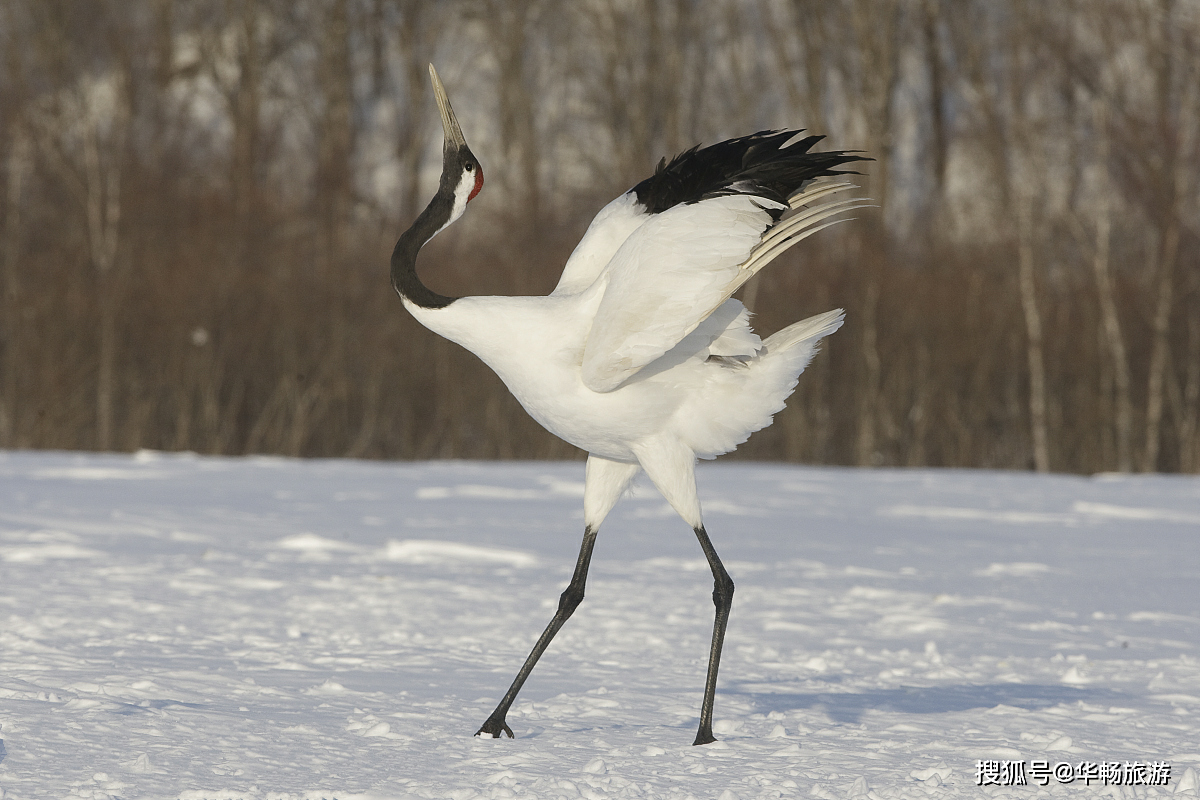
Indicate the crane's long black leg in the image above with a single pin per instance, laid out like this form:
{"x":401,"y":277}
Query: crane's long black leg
{"x":570,"y":599}
{"x":723,"y":600}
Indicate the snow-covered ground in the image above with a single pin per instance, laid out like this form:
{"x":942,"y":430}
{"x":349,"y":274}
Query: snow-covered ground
{"x":187,"y":627}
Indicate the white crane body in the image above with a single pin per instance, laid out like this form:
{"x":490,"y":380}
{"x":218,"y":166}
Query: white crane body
{"x":711,"y":405}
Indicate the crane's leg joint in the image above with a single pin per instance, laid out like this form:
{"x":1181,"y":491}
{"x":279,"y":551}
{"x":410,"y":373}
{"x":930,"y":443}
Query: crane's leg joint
{"x":569,"y":600}
{"x":723,"y":593}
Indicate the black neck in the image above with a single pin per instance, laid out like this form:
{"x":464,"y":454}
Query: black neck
{"x":404,"y":256}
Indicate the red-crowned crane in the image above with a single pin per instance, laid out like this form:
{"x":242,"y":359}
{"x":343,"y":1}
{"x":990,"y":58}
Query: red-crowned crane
{"x":640,"y":356}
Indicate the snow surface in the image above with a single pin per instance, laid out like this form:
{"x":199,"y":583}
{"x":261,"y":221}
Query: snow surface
{"x":174,"y":626}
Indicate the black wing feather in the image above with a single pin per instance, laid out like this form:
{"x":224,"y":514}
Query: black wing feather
{"x":757,"y":164}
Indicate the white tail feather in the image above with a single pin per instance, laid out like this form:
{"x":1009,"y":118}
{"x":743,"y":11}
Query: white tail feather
{"x":811,"y":329}
{"x":746,"y":400}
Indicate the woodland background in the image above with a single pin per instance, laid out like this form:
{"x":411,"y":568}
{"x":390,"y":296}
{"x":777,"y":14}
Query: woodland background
{"x":199,"y":198}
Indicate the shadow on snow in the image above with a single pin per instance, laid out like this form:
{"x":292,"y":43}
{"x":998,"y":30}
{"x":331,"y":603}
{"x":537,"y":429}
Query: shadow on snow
{"x":849,"y":707}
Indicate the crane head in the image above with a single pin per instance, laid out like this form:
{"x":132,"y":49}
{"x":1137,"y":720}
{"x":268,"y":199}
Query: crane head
{"x":462,"y":175}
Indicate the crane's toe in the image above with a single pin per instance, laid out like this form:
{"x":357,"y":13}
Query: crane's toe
{"x":494,"y":727}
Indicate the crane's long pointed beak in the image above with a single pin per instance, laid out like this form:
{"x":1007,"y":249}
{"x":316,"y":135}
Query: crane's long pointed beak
{"x":449,"y":122}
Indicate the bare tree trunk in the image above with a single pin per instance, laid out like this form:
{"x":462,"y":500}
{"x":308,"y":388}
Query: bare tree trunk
{"x":976,"y":61}
{"x":307,"y":404}
{"x":1021,"y":160}
{"x":803,"y":69}
{"x":1108,"y":306}
{"x":334,"y":185}
{"x":1175,"y":89}
{"x":19,"y":154}
{"x":1167,"y":250}
{"x":245,"y":105}
{"x":411,"y":124}
{"x":372,"y":394}
{"x":376,"y":36}
{"x":510,"y":22}
{"x":103,"y":209}
{"x":919,"y":414}
{"x":742,"y":71}
{"x":939,"y":144}
{"x":874,"y":60}
{"x":1189,"y":443}
{"x":642,"y":80}
{"x":1033,"y":337}
{"x":877,"y":42}
{"x":869,"y":392}
{"x":106,"y":366}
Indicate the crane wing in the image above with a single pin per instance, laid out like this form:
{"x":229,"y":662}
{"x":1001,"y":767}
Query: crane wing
{"x":669,"y":275}
{"x":608,"y":231}
{"x":680,"y":265}
{"x":772,"y":166}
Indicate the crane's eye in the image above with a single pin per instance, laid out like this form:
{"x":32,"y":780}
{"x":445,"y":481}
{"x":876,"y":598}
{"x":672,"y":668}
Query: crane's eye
{"x":470,"y":167}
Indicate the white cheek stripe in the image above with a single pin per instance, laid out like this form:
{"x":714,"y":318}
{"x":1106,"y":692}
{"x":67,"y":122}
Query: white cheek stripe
{"x":461,"y":195}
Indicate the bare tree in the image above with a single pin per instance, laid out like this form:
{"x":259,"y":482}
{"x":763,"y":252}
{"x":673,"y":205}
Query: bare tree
{"x":236,"y":55}
{"x":801,"y":42}
{"x":335,"y":131}
{"x":1189,"y":405}
{"x":873,"y":63}
{"x":18,"y":162}
{"x":1034,"y":346}
{"x":414,"y":32}
{"x":939,"y":137}
{"x":16,"y":142}
{"x":1106,"y":293}
{"x":647,"y":60}
{"x":1026,"y":166}
{"x":511,"y":25}
{"x":82,"y":134}
{"x":1157,"y":106}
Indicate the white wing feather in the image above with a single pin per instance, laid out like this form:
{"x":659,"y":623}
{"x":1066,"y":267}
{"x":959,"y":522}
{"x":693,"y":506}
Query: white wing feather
{"x":678,"y":267}
{"x":668,"y":276}
{"x":736,"y":339}
{"x":608,"y":231}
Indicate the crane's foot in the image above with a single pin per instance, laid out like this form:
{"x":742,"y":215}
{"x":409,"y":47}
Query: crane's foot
{"x":494,"y":727}
{"x":704,"y":736}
